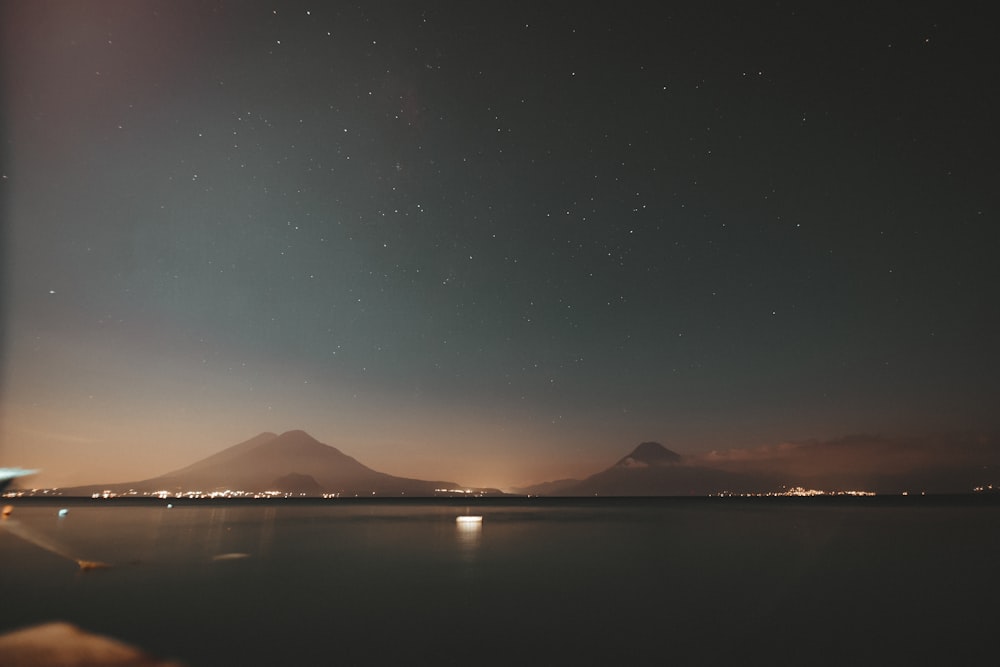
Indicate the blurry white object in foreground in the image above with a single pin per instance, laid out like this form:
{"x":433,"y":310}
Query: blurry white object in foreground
{"x":66,"y":645}
{"x":467,"y":518}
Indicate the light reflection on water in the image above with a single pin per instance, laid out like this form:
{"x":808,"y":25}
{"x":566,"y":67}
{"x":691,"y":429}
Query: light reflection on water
{"x":612,"y":582}
{"x":469,"y":531}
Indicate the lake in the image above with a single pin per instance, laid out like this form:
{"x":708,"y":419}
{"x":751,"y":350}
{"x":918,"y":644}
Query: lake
{"x":537,"y":581}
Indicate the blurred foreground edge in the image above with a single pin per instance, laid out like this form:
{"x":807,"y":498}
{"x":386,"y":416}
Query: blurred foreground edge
{"x":66,"y":645}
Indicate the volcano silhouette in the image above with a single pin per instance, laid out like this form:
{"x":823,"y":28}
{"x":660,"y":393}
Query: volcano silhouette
{"x":293,"y":462}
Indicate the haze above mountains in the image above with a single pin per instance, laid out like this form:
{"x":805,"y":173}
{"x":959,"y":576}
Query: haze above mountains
{"x":296,"y":463}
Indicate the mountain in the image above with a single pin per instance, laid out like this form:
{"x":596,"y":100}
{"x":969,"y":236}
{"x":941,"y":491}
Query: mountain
{"x":668,"y":480}
{"x":303,"y":485}
{"x":943,"y":463}
{"x":653,"y":470}
{"x":649,"y":454}
{"x":293,"y":462}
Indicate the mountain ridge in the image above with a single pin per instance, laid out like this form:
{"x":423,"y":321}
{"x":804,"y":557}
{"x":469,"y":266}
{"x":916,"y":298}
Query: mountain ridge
{"x":293,"y":463}
{"x":649,"y":454}
{"x":949,"y":463}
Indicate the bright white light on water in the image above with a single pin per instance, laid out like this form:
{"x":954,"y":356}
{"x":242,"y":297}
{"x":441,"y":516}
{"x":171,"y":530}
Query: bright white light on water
{"x":469,"y":528}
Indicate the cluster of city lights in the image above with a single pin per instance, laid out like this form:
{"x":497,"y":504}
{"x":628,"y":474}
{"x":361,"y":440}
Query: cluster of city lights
{"x":797,"y":491}
{"x":465,"y":492}
{"x":210,"y":495}
{"x":164,"y":494}
{"x":19,"y":493}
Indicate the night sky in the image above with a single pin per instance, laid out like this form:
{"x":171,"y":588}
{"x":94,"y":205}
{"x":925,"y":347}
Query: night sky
{"x":496,"y":243}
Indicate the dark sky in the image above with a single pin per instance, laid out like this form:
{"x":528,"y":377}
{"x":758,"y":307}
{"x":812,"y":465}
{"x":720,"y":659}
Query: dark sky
{"x":492,"y":242}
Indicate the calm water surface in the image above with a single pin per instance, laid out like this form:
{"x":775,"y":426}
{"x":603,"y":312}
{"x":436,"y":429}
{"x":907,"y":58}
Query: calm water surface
{"x":537,"y":582}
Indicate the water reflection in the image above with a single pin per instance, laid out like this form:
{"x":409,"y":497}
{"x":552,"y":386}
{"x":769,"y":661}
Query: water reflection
{"x":267,"y":531}
{"x":468,"y":530}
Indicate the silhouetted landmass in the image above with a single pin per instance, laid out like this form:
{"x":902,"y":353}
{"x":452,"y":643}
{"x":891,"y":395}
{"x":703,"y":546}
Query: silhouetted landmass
{"x":952,"y":464}
{"x":653,"y":470}
{"x":295,"y":482}
{"x":649,"y":454}
{"x":293,"y":462}
{"x":677,"y":480}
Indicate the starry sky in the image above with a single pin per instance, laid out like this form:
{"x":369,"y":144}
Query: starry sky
{"x":495,"y":243}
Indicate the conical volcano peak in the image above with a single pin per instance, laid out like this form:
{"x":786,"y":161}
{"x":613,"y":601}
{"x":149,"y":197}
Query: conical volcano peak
{"x":296,"y":436}
{"x":649,"y":454}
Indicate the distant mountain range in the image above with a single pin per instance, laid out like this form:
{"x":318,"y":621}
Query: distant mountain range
{"x":653,"y":470}
{"x":958,"y":463}
{"x":296,"y":463}
{"x":293,"y":462}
